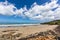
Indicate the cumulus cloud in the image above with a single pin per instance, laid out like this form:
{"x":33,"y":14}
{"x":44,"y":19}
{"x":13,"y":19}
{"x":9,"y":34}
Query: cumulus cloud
{"x":36,"y":12}
{"x":6,"y":8}
{"x":44,"y":12}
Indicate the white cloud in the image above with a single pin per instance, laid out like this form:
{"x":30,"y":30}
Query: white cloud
{"x":36,"y":12}
{"x":6,"y":9}
{"x":44,"y":12}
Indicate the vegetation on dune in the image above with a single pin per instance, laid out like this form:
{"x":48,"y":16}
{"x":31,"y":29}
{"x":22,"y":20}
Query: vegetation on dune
{"x":56,"y":22}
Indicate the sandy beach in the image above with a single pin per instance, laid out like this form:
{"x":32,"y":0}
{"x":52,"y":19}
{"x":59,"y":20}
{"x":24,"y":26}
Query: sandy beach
{"x":24,"y":31}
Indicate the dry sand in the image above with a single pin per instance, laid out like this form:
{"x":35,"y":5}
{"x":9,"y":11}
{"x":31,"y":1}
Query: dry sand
{"x":27,"y":30}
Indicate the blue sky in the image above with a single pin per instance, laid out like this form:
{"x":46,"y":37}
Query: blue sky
{"x":18,"y":11}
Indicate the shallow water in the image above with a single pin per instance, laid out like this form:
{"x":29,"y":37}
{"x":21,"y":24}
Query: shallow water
{"x":15,"y":25}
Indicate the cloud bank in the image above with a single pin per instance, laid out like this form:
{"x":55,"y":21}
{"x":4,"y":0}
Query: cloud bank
{"x":48,"y":12}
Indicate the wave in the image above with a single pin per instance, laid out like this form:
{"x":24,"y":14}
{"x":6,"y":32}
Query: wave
{"x":16,"y":25}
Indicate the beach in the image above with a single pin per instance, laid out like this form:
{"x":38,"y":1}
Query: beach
{"x":24,"y":31}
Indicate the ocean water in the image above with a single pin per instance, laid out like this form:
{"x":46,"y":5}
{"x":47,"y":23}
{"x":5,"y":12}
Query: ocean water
{"x":15,"y":25}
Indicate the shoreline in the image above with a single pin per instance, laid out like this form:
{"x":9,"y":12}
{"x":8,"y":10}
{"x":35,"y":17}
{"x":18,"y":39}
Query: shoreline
{"x":16,"y":25}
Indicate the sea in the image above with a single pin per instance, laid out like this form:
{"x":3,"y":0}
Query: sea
{"x":15,"y":25}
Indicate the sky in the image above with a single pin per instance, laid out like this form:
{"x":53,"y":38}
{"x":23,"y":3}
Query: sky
{"x":29,"y":11}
